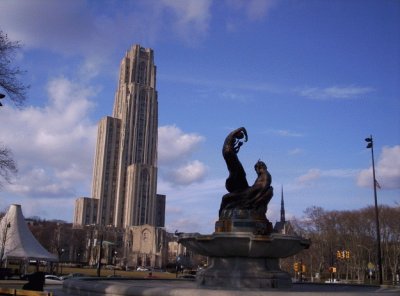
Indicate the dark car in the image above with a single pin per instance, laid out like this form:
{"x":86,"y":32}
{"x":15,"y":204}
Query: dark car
{"x":5,"y":273}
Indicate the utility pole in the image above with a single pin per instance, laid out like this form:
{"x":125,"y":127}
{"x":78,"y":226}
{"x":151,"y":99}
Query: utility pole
{"x":370,"y":144}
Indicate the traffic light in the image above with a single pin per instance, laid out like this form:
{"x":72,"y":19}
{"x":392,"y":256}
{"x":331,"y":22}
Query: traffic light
{"x":296,"y":266}
{"x":343,"y":254}
{"x":369,"y":141}
{"x":332,"y":269}
{"x":338,"y":254}
{"x":303,"y":268}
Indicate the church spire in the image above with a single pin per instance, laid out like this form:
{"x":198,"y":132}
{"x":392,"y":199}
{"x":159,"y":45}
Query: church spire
{"x":282,"y":207}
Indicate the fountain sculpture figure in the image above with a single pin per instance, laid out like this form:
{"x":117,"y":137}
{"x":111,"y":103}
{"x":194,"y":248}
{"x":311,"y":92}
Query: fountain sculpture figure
{"x":244,"y":251}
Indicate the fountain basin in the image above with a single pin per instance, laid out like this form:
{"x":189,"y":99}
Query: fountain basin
{"x":243,"y":260}
{"x":244,"y":244}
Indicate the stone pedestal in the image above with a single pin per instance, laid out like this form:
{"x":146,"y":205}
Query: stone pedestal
{"x":242,"y":220}
{"x":244,"y":273}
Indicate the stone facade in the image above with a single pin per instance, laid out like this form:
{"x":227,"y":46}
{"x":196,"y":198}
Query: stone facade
{"x":146,"y":245}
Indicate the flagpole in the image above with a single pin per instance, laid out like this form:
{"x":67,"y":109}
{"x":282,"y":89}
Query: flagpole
{"x":378,"y":232}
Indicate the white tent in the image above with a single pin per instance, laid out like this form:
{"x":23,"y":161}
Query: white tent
{"x":17,"y":241}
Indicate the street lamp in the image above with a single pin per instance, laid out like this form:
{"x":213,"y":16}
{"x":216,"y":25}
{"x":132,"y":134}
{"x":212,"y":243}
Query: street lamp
{"x":61,"y":253}
{"x":369,"y":261}
{"x":115,"y":260}
{"x":370,"y":144}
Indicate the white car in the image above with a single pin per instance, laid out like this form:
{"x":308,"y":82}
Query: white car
{"x":71,"y":275}
{"x":52,"y":280}
{"x":140,"y":268}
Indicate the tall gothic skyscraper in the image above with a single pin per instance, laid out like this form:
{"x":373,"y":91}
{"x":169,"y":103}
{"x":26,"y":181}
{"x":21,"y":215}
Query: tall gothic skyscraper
{"x":125,"y":168}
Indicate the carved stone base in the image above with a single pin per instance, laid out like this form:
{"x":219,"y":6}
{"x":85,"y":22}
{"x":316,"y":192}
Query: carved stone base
{"x":242,"y":220}
{"x":243,"y":273}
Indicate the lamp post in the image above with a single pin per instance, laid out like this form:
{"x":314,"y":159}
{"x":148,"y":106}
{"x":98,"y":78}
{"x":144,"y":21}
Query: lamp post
{"x":61,"y":253}
{"x":115,"y":260}
{"x":100,"y":255}
{"x":369,"y":261}
{"x":370,"y":144}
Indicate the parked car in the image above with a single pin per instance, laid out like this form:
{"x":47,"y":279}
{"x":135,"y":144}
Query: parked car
{"x":5,"y":273}
{"x":50,"y":279}
{"x":187,"y":276}
{"x":71,"y":275}
{"x":25,"y":276}
{"x":141,"y":268}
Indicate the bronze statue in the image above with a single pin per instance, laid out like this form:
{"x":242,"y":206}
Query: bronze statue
{"x":244,"y":251}
{"x":241,"y":196}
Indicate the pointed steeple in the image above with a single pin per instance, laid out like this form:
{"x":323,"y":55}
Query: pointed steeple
{"x":282,"y":207}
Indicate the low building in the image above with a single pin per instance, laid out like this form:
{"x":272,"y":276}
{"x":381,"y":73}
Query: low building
{"x":146,"y":245}
{"x":85,"y":211}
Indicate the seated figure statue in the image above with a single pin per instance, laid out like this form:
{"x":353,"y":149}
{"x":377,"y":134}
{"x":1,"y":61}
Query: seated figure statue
{"x":241,"y":197}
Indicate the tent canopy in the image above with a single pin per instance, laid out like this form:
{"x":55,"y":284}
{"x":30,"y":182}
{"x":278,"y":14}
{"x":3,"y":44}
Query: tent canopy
{"x":17,"y":241}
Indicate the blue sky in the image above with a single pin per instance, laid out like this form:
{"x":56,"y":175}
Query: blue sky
{"x":308,"y":79}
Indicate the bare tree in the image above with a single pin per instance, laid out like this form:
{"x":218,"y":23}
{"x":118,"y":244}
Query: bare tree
{"x":335,"y":233}
{"x":15,"y":90}
{"x":391,"y":241}
{"x":8,"y":166}
{"x":9,"y":74}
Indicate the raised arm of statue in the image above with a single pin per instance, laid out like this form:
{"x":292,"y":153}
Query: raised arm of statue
{"x":236,"y":180}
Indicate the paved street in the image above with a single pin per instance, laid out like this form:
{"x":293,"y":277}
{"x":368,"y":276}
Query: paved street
{"x":183,"y":287}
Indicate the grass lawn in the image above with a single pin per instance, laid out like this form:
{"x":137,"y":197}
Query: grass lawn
{"x":105,"y":272}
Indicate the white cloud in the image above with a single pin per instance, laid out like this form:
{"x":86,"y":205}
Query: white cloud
{"x":387,"y":170}
{"x":175,"y":148}
{"x":203,"y":199}
{"x":311,"y":175}
{"x":174,"y":145}
{"x":315,"y":174}
{"x":295,"y":151}
{"x":53,"y":145}
{"x":253,"y":9}
{"x":335,"y":92}
{"x":81,"y":28}
{"x":287,"y":133}
{"x":173,"y":210}
{"x":340,"y":173}
{"x":194,"y":171}
{"x":236,"y":97}
{"x":258,"y":9}
{"x":60,"y":208}
{"x":42,"y":23}
{"x":192,"y":18}
{"x":40,"y":182}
